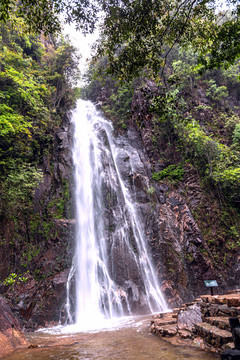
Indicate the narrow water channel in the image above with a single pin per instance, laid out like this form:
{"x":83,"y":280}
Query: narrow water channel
{"x":130,"y":342}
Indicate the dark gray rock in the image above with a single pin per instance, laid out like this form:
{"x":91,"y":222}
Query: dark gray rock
{"x":231,"y":354}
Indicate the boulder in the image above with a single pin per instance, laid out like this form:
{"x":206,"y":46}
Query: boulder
{"x":187,"y":318}
{"x":11,"y":335}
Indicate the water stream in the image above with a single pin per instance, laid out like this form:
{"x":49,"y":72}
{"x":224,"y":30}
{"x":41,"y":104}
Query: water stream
{"x":109,"y":230}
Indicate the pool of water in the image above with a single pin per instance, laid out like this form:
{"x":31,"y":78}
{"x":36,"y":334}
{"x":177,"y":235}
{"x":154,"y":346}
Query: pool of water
{"x":129,"y":341}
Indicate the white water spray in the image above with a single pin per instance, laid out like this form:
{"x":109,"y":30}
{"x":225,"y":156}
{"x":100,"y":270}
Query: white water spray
{"x":99,"y":292}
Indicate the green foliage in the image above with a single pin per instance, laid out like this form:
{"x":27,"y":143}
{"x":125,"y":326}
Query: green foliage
{"x":28,"y":255}
{"x":236,"y":136}
{"x":216,"y":92}
{"x":39,"y":15}
{"x":230,"y":123}
{"x":43,"y":15}
{"x":12,"y":123}
{"x":218,"y":163}
{"x":221,"y":46}
{"x":119,"y":103}
{"x":172,"y":173}
{"x":13,"y":279}
{"x":19,"y":186}
{"x":10,"y":280}
{"x":151,"y":190}
{"x":140,"y":36}
{"x":36,"y":93}
{"x":184,"y":69}
{"x":114,"y":98}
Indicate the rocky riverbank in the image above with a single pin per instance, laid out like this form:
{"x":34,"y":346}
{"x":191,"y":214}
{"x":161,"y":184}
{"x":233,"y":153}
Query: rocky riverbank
{"x":202,"y":323}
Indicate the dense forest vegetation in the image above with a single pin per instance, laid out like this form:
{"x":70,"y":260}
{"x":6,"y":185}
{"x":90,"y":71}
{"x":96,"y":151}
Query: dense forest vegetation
{"x":37,"y":79}
{"x":200,"y":113}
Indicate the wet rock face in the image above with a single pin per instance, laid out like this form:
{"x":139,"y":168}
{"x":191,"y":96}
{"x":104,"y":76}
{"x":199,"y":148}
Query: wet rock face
{"x":179,"y":250}
{"x":11,"y":336}
{"x":122,"y":244}
{"x":43,"y":250}
{"x":39,"y":300}
{"x":177,"y":247}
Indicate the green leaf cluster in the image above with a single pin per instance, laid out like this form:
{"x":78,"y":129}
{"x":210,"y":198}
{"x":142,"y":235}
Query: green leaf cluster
{"x":114,"y":98}
{"x":172,"y":173}
{"x":236,"y":136}
{"x":13,"y":278}
{"x":216,"y":92}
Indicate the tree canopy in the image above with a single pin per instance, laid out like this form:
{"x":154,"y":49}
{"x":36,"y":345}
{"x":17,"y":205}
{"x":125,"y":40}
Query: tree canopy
{"x":43,"y":15}
{"x":140,"y":34}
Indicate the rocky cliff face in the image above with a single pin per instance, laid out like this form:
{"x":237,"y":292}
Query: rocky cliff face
{"x":179,"y":252}
{"x":183,"y":216}
{"x":35,"y":262}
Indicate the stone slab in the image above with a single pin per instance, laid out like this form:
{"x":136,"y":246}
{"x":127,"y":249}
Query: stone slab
{"x":212,"y":334}
{"x":220,"y":321}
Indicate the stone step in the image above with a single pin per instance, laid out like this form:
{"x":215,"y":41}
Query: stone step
{"x":166,"y":330}
{"x":164,"y":325}
{"x":212,"y":334}
{"x":220,"y":321}
{"x":164,"y":321}
{"x":213,"y":310}
{"x":233,"y":291}
{"x":227,"y":299}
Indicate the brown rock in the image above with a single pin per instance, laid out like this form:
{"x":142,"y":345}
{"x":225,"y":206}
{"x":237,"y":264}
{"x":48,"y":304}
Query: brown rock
{"x":233,"y":291}
{"x":185,"y":334}
{"x":166,"y":330}
{"x":11,"y":335}
{"x":205,"y":298}
{"x":168,"y":321}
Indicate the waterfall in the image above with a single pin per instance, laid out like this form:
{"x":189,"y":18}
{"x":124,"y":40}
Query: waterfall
{"x":113,"y":272}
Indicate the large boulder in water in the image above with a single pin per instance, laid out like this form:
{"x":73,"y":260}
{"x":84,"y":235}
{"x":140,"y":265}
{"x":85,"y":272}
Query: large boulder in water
{"x":11,"y":335}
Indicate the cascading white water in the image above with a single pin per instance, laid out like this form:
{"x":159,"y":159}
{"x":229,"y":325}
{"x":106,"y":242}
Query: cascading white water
{"x":99,"y":292}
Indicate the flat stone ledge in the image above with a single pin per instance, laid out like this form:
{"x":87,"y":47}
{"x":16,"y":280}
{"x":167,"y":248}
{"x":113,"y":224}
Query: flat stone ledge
{"x":212,"y":334}
{"x":166,"y":330}
{"x":232,"y":299}
{"x":220,"y":321}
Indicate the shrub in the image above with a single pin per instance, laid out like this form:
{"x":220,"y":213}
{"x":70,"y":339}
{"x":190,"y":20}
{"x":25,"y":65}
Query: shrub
{"x":172,"y":172}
